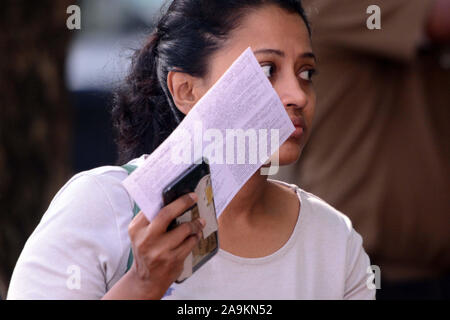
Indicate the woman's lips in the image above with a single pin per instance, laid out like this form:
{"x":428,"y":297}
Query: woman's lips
{"x":300,"y":126}
{"x":297,"y":133}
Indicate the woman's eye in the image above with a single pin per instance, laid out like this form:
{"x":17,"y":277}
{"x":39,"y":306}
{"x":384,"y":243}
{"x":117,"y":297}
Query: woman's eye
{"x":307,"y":74}
{"x":268,"y":69}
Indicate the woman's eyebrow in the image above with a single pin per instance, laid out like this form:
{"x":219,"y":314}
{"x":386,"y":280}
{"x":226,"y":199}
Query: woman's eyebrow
{"x":281,"y":53}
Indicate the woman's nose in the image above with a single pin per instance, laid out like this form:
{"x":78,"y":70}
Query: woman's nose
{"x":292,"y":94}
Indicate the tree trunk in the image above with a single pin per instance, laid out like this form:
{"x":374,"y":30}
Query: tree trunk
{"x":34,"y":119}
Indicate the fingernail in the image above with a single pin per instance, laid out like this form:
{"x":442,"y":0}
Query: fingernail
{"x":193,"y":196}
{"x":202,"y":222}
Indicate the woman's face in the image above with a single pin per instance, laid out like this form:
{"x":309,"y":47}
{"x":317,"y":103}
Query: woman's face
{"x":281,"y":43}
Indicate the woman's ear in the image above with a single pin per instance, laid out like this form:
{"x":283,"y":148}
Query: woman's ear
{"x":182,"y":86}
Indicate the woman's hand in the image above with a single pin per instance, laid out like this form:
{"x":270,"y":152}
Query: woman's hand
{"x":158,"y":255}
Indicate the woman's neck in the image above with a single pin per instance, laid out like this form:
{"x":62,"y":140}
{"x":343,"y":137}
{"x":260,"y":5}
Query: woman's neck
{"x":249,"y":201}
{"x":260,"y":218}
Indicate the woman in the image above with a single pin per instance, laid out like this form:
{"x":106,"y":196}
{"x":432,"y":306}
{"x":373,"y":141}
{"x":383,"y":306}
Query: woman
{"x":276,"y":240}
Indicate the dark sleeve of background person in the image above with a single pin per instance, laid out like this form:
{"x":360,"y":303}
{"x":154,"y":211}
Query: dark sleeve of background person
{"x":438,"y":24}
{"x":379,"y":149}
{"x":341,"y":25}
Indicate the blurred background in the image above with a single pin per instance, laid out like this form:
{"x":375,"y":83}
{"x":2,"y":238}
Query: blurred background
{"x":55,"y":100}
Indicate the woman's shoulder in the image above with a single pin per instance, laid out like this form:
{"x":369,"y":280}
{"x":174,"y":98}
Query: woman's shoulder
{"x":317,"y":211}
{"x":104,"y":176}
{"x":105,"y":182}
{"x":325,"y":212}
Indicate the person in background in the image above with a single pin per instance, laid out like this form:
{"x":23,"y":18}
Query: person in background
{"x":380,"y":150}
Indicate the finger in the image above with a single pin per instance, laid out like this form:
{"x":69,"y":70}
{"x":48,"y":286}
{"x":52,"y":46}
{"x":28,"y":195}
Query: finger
{"x":187,"y":246}
{"x":173,"y":210}
{"x":139,"y":221}
{"x":175,"y":237}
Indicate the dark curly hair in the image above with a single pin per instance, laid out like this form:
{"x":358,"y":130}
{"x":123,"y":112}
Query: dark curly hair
{"x":186,"y":35}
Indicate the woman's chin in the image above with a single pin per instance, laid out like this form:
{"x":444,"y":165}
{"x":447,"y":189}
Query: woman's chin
{"x":289,"y":153}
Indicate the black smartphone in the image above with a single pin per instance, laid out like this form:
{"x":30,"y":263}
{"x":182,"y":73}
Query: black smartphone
{"x":197,"y":178}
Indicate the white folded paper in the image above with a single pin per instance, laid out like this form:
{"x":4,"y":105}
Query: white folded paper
{"x":237,"y":125}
